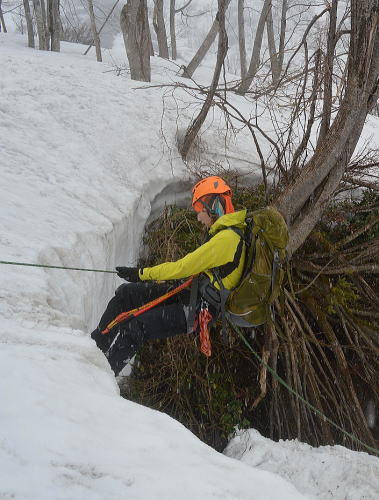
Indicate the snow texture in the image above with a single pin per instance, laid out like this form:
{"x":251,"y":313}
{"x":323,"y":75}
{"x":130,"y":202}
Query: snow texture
{"x":84,"y":162}
{"x":325,"y":473}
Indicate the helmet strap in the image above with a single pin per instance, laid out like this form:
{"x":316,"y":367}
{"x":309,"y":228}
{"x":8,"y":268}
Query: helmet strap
{"x":215,"y":208}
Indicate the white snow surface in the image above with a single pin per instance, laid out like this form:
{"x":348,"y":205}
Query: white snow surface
{"x":83,"y":164}
{"x":325,"y":473}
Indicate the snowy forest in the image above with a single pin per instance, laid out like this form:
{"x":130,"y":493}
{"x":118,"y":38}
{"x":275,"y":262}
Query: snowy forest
{"x":110,"y":112}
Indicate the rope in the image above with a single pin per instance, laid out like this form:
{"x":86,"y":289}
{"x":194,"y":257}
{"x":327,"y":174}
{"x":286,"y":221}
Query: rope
{"x":56,"y":267}
{"x":307,"y":403}
{"x":205,"y":317}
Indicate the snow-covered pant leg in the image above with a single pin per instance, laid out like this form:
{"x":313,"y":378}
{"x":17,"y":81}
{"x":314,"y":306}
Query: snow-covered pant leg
{"x":123,"y":341}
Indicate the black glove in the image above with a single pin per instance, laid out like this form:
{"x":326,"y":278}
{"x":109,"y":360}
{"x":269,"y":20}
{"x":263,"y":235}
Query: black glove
{"x":128,"y":274}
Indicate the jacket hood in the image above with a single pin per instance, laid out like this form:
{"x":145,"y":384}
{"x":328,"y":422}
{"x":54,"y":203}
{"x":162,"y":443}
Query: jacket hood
{"x":235,"y":219}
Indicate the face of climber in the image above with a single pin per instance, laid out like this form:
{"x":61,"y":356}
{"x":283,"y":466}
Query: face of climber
{"x":204,"y":218}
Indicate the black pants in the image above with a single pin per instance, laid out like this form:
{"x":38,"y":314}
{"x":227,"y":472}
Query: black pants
{"x":165,"y":320}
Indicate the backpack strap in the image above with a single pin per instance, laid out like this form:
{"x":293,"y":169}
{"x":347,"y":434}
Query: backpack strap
{"x":247,"y":238}
{"x":239,"y":231}
{"x":228,"y":268}
{"x":224,"y":295}
{"x":192,"y":304}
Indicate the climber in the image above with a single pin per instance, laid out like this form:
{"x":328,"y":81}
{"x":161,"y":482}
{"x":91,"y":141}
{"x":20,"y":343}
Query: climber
{"x":218,"y":265}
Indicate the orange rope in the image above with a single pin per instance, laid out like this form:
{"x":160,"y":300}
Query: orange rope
{"x":139,"y":310}
{"x":205,"y":342}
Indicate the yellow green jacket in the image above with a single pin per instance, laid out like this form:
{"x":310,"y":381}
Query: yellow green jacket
{"x":222,"y":248}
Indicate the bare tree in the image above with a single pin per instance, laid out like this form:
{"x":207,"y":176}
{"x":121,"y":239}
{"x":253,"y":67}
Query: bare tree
{"x":46,"y":22}
{"x":96,"y":37}
{"x":172,"y":30}
{"x":276,"y":56}
{"x":29,"y":24}
{"x":283,"y":24}
{"x":136,"y":32}
{"x":274,"y":59}
{"x":54,"y":24}
{"x":160,"y":28}
{"x":222,"y":50}
{"x":190,"y":69}
{"x":241,"y":38}
{"x":254,"y":61}
{"x":2,"y":22}
{"x":41,"y":26}
{"x":307,"y":194}
{"x":328,"y":72}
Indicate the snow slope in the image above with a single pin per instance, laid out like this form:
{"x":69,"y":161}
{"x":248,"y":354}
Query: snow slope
{"x":83,"y":163}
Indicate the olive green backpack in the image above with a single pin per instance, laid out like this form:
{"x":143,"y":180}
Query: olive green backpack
{"x":267,"y":238}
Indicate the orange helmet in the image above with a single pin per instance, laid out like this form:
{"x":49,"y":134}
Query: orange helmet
{"x":213,"y":185}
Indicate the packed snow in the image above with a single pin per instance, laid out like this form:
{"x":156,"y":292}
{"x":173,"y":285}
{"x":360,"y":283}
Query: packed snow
{"x":85,"y":160}
{"x":323,"y":473}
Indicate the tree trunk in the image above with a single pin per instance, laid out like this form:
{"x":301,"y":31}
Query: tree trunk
{"x":150,"y":40}
{"x":274,"y":60}
{"x":41,"y":28}
{"x":45,"y":22}
{"x":328,"y":72}
{"x":283,"y":24}
{"x":204,"y":47}
{"x":160,"y":29}
{"x":222,"y":50}
{"x":96,"y":37}
{"x":55,"y":24}
{"x":135,"y":29}
{"x":254,"y":61}
{"x":304,"y":199}
{"x":2,"y":22}
{"x":241,"y":38}
{"x":172,"y":30}
{"x":29,"y":24}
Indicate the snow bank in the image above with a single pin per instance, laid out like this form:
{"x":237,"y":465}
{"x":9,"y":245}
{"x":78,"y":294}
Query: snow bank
{"x":324,"y":473}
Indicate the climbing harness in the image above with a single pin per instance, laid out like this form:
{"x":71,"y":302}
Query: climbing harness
{"x":133,"y":313}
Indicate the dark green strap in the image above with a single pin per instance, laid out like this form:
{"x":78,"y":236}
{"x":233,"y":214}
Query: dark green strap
{"x":224,"y":294}
{"x":192,"y":304}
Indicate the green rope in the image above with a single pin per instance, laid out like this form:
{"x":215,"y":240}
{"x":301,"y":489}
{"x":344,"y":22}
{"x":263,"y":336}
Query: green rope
{"x":56,"y":267}
{"x":313,"y":408}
